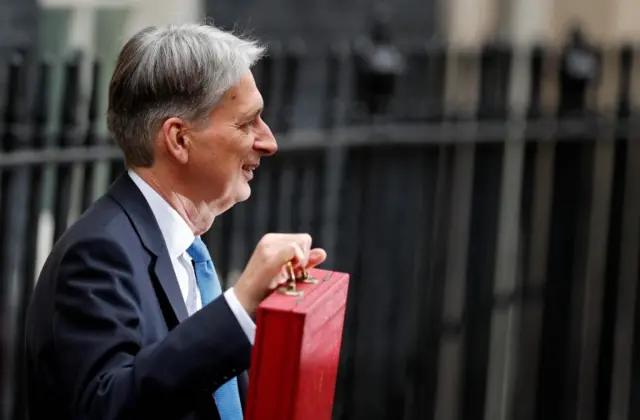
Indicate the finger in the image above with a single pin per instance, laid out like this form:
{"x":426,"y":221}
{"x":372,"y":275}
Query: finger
{"x":316,"y":257}
{"x":280,"y":279}
{"x":307,"y":240}
{"x":304,"y":242}
{"x":290,"y":252}
{"x":284,"y":275}
{"x":300,"y":257}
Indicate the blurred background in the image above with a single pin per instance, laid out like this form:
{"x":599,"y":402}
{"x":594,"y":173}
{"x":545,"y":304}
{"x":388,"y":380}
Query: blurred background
{"x":473,"y":165}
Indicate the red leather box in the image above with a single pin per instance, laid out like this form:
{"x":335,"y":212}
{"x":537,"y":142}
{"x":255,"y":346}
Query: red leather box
{"x":296,"y":352}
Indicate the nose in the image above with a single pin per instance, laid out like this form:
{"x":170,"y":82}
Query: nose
{"x":265,"y":141}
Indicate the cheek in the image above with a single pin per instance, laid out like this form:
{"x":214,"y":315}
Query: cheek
{"x":241,"y":148}
{"x":224,"y":155}
{"x":229,"y":160}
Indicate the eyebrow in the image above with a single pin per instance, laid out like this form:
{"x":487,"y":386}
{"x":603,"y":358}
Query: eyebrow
{"x":253,"y":112}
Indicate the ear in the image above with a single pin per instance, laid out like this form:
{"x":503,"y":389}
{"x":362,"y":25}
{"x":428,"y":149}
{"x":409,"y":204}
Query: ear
{"x":176,"y":139}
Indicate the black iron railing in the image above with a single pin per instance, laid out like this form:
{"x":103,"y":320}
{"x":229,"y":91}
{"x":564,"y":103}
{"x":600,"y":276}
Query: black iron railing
{"x":490,"y":222}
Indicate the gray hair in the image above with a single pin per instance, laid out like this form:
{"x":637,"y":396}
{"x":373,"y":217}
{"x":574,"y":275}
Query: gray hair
{"x":176,"y":71}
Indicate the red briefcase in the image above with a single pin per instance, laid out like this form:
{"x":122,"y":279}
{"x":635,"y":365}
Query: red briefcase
{"x":295,"y":357}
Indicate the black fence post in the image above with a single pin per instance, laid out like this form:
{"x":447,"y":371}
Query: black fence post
{"x":264,"y":76}
{"x":67,"y":137}
{"x":36,"y":142}
{"x":91,"y":138}
{"x":434,"y":78}
{"x":40,"y":122}
{"x":331,"y":100}
{"x":13,"y":220}
{"x":483,"y":234}
{"x":293,"y":56}
{"x":621,"y":387}
{"x":335,"y":154}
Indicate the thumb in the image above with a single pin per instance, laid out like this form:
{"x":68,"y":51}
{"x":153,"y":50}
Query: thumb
{"x":316,"y":257}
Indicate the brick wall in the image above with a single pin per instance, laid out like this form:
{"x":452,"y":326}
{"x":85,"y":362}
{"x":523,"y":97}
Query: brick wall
{"x":18,"y":23}
{"x":319,"y":21}
{"x":18,"y":29}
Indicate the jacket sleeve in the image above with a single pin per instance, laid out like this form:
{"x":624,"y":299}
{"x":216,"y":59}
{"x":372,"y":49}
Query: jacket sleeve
{"x":100,"y":355}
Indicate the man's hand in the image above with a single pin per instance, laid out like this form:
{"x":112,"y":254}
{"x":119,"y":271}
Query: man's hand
{"x":266,"y":268}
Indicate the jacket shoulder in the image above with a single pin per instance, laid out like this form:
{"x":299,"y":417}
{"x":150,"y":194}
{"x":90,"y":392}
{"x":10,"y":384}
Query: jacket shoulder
{"x":104,"y":221}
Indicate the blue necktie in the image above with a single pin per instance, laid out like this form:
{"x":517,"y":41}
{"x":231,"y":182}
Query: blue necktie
{"x":227,"y":396}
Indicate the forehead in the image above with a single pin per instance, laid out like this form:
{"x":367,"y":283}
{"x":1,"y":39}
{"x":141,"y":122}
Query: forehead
{"x":242,"y":98}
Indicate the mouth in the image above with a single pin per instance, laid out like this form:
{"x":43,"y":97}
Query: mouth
{"x":248,"y":170}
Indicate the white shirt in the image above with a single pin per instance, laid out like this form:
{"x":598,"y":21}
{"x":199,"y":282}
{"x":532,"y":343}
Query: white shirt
{"x":178,"y":236}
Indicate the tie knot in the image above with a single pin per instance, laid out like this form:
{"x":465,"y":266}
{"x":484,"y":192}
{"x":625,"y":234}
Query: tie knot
{"x":198,"y":251}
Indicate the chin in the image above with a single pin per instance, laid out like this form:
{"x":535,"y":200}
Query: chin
{"x":232,"y":197}
{"x":244,"y":193}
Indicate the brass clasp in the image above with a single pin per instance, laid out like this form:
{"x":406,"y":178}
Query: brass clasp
{"x":289,"y":288}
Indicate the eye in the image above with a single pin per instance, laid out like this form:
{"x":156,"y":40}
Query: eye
{"x":248,"y":124}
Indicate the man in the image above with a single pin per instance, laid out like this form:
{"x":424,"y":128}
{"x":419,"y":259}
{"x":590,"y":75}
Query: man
{"x":127,"y":320}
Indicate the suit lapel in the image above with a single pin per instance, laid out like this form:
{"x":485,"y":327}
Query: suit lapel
{"x":127,"y":194}
{"x":166,"y":276}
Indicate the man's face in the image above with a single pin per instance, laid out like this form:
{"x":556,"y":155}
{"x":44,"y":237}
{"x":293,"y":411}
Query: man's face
{"x":228,"y":148}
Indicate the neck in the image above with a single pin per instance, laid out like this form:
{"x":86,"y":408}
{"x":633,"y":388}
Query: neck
{"x":198,"y":215}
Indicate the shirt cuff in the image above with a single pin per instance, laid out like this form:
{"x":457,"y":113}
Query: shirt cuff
{"x":247,"y":324}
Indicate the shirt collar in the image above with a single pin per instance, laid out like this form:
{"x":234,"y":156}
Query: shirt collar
{"x":177,"y":234}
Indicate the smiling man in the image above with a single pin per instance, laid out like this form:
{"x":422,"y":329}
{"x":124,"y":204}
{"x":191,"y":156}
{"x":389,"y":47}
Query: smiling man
{"x":128,"y":320}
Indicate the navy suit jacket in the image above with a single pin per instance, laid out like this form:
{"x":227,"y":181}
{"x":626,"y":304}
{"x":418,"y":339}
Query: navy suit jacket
{"x":107,"y":331}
